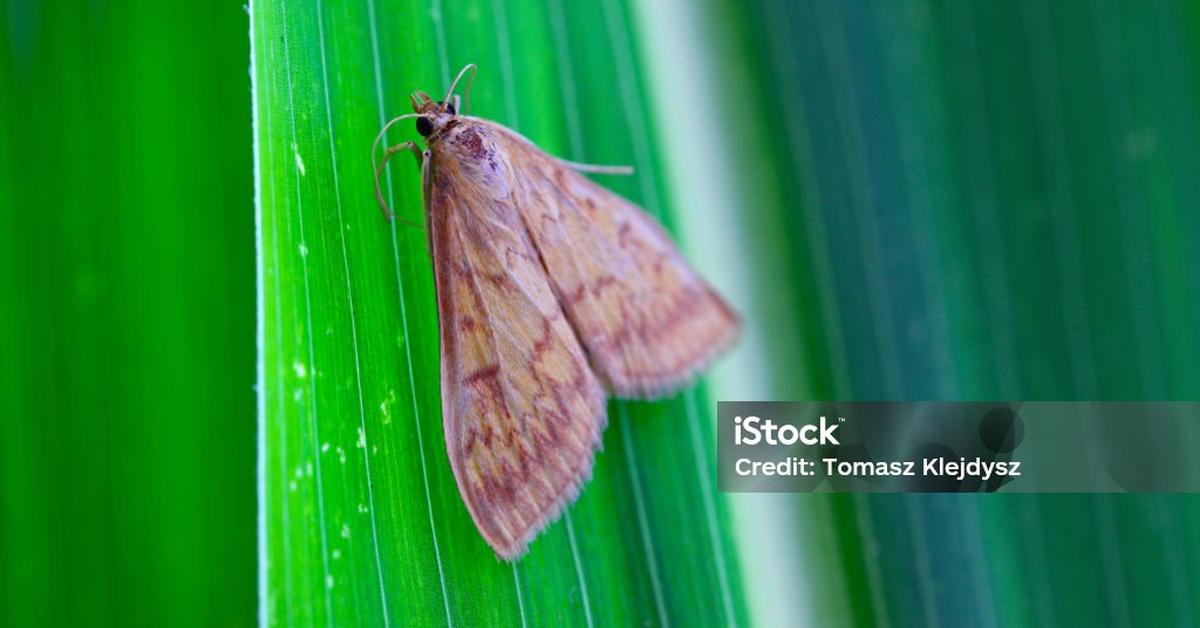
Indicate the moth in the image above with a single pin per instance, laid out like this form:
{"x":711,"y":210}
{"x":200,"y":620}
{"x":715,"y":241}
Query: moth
{"x":552,"y":292}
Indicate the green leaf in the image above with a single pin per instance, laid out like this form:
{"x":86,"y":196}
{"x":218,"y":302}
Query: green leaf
{"x":127,"y":310}
{"x":361,"y":520}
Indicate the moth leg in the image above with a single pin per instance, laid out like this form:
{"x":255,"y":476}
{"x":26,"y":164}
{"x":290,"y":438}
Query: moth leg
{"x":408,"y":146}
{"x":387,"y":154}
{"x":596,"y":169}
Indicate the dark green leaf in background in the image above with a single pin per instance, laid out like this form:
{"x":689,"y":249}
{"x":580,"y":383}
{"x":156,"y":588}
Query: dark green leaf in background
{"x":998,"y":203}
{"x":127,"y":358}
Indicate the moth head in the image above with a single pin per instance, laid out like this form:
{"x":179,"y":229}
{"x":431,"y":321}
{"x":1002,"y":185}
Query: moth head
{"x":432,"y":115}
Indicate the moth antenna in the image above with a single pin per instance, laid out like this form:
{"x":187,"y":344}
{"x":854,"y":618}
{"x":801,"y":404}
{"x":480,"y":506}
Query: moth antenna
{"x":470,"y":67}
{"x":378,"y":166}
{"x":597,"y":168}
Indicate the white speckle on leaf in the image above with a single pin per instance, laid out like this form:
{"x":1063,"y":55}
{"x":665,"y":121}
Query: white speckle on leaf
{"x":362,"y":439}
{"x":298,"y":395}
{"x":292,"y":485}
{"x":299,"y":472}
{"x":299,"y":162}
{"x":324,"y":447}
{"x":341,"y":453}
{"x":301,"y":370}
{"x":336,"y":554}
{"x":385,"y":406}
{"x":362,"y":508}
{"x":303,"y":248}
{"x":308,"y":468}
{"x":345,"y":531}
{"x":329,"y":582}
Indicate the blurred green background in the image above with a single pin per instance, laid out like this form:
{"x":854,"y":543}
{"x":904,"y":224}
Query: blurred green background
{"x":127,"y":236}
{"x":906,"y":200}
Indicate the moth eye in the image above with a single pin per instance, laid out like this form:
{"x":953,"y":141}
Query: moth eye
{"x":450,"y":108}
{"x":424,"y":126}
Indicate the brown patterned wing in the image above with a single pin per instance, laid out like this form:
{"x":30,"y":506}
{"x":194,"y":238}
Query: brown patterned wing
{"x":648,"y":321}
{"x":522,"y":412}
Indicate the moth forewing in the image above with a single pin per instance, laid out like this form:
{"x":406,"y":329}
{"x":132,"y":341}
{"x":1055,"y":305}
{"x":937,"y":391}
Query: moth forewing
{"x":550,"y":289}
{"x":522,"y":411}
